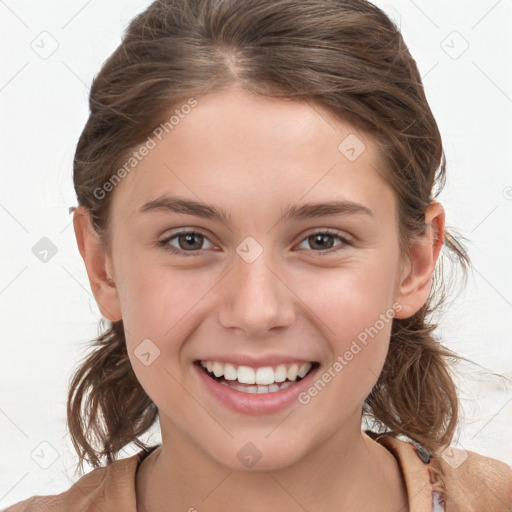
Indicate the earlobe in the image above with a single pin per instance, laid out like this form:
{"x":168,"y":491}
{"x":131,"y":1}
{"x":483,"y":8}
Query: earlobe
{"x":416,"y":281}
{"x":98,"y":265}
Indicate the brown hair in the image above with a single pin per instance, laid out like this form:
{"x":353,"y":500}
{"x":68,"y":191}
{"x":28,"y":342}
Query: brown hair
{"x":346,"y":55}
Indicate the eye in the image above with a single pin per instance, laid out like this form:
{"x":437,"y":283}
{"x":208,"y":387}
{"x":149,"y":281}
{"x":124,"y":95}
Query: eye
{"x":320,"y":239}
{"x":187,"y":241}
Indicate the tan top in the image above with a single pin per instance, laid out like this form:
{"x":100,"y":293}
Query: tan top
{"x":472,"y":483}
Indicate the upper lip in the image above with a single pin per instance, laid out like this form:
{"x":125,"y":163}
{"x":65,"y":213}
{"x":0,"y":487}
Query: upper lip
{"x":256,"y":361}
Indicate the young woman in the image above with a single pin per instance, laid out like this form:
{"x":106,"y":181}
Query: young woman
{"x":257,"y":216}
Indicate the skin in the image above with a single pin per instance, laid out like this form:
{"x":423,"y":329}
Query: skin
{"x":254,"y":156}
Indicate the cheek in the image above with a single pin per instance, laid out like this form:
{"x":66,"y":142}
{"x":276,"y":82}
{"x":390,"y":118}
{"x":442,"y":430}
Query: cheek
{"x":354,"y":309}
{"x":349,"y":300}
{"x":358,"y":347}
{"x":156,"y":307}
{"x":155,"y":299}
{"x":161,"y":309}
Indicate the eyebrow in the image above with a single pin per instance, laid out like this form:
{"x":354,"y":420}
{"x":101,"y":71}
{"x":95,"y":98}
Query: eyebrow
{"x":296,"y":212}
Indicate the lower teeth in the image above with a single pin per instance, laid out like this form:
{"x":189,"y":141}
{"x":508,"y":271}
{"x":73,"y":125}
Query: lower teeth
{"x":248,"y":388}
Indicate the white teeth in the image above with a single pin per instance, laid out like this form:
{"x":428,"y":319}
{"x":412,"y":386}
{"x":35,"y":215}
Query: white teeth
{"x":304,"y":369}
{"x":272,"y":388}
{"x":264,"y":379}
{"x":230,"y":372}
{"x":280,"y":373}
{"x":218,"y":369}
{"x":246,"y":375}
{"x":265,"y":375}
{"x":292,"y":372}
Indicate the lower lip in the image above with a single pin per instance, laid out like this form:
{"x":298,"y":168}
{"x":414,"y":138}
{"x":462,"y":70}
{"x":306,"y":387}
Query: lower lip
{"x":255,"y":403}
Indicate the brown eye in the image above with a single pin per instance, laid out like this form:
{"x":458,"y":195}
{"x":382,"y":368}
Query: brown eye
{"x":186,"y":242}
{"x":322,"y":242}
{"x":190,"y":241}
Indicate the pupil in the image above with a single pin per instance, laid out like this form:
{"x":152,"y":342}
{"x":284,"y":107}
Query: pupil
{"x":189,"y":240}
{"x":322,"y":238}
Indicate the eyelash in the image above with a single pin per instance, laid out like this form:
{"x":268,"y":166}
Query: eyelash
{"x":165,"y":243}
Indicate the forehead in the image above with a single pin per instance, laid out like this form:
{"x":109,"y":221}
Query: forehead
{"x":254,"y":154}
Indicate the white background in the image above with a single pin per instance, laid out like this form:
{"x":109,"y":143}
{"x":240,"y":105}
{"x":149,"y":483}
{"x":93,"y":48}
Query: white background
{"x":48,"y":312}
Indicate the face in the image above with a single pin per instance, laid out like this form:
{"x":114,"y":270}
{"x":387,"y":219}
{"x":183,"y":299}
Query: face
{"x":257,"y":291}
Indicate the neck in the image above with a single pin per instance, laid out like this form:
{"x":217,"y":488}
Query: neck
{"x":342,"y":473}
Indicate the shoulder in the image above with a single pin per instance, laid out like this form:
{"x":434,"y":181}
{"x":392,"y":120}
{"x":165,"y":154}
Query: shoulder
{"x":108,"y":488}
{"x":466,"y":481}
{"x":475,"y":482}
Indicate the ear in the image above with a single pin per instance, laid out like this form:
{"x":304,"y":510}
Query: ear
{"x":416,"y":279}
{"x":98,"y":265}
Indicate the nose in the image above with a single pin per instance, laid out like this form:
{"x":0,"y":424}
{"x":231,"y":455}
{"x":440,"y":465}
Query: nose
{"x":255,"y":299}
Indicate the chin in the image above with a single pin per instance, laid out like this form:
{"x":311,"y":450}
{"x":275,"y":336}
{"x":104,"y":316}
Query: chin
{"x":262,"y":453}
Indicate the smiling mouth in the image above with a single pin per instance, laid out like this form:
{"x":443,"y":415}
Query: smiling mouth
{"x":267,"y":379}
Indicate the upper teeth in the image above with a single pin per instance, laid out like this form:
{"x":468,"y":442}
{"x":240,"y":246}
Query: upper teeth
{"x":264,"y":375}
